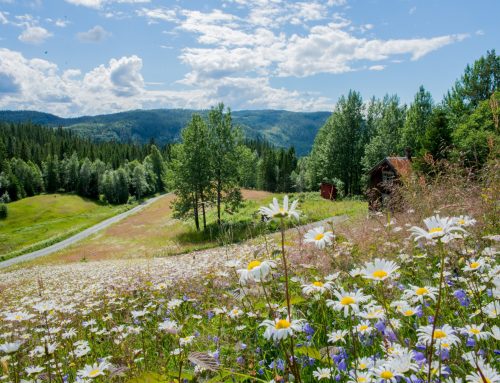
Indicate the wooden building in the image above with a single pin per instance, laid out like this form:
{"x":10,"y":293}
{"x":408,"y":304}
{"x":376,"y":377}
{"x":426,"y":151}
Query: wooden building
{"x":328,"y":191}
{"x":383,"y":178}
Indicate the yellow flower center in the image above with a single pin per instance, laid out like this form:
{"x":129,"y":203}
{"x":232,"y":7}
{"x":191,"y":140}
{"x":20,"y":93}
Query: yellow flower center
{"x":318,"y":284}
{"x":461,"y":222}
{"x":386,"y":374}
{"x":435,"y":230}
{"x":319,"y":237}
{"x":379,"y":274}
{"x":94,"y":373}
{"x":363,"y":327}
{"x":281,"y":324}
{"x":361,"y":379}
{"x":474,"y":265}
{"x":439,"y":334}
{"x":421,"y":291}
{"x":252,"y":265}
{"x":18,"y":317}
{"x":475,"y":331}
{"x":362,"y":366}
{"x":347,"y":301}
{"x":445,"y":345}
{"x":408,"y":312}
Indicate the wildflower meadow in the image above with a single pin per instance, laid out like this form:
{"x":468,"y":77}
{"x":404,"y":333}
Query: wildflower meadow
{"x":427,"y":310}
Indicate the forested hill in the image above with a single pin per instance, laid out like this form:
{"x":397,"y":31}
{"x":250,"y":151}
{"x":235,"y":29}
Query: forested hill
{"x":282,"y":128}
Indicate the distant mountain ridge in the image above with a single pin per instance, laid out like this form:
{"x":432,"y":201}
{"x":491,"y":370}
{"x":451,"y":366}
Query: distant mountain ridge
{"x":282,"y":128}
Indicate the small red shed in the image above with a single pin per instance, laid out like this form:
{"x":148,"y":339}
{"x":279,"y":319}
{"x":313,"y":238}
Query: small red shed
{"x":328,"y":191}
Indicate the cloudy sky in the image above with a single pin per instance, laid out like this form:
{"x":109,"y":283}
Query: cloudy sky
{"x":74,"y":57}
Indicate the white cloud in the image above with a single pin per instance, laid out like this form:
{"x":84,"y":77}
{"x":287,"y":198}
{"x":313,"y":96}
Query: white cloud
{"x":119,"y":85}
{"x":34,"y":35}
{"x":3,"y":18}
{"x":377,"y":67}
{"x":233,"y":49}
{"x":93,"y":35}
{"x":61,"y":23}
{"x":157,"y":14}
{"x":97,"y":4}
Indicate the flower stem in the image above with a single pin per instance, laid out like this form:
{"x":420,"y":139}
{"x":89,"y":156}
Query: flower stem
{"x":436,"y":314}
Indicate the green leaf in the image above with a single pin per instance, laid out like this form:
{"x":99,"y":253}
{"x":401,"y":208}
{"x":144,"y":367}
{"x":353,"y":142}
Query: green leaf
{"x":311,"y":352}
{"x":149,"y":377}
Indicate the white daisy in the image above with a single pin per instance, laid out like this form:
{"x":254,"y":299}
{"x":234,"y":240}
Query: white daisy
{"x":379,"y":269}
{"x":256,"y":271}
{"x":437,"y":227}
{"x":464,"y":220}
{"x":492,"y":309}
{"x":347,"y":301}
{"x":319,"y":237}
{"x":337,"y":336}
{"x":18,"y":316}
{"x":170,"y":326}
{"x":9,"y":348}
{"x":443,"y":337}
{"x":323,"y":373}
{"x":275,"y":211}
{"x":387,"y":372}
{"x":281,"y":328}
{"x":94,"y":370}
{"x":316,"y":288}
{"x":364,"y":328}
{"x":476,"y":331}
{"x":418,"y":293}
{"x":489,"y":373}
{"x":474,"y":264}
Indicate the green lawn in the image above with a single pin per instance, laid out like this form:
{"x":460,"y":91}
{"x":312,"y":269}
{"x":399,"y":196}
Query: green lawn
{"x":42,"y":220}
{"x":246,"y":223}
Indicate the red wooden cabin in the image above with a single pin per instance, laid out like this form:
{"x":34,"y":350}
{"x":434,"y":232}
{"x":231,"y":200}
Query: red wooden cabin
{"x":328,"y":191}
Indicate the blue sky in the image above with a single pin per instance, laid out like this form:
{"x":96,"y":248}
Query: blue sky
{"x":74,"y":57}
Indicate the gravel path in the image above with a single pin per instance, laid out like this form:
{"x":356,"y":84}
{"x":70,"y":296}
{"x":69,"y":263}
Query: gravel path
{"x":78,"y":237}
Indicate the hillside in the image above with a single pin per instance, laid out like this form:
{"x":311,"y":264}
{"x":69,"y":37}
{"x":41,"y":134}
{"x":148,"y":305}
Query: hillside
{"x":282,"y":128}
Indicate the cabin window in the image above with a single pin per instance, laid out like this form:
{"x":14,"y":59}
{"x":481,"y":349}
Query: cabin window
{"x":387,"y":175}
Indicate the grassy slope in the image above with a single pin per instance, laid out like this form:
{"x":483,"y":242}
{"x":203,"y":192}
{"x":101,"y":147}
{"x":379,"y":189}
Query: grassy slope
{"x":153,"y":231}
{"x":39,"y":221}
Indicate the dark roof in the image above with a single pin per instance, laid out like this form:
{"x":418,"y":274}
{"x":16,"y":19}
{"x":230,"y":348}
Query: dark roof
{"x":400,"y":165}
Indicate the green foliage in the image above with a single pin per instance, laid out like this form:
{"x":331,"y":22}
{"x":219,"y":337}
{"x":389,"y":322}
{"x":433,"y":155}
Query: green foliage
{"x":477,"y":84}
{"x":338,"y":147}
{"x":3,"y":210}
{"x":417,"y":119}
{"x":223,"y":139}
{"x":192,"y":174}
{"x":22,"y":176}
{"x":282,"y":128}
{"x":388,"y":123}
{"x":477,"y":134}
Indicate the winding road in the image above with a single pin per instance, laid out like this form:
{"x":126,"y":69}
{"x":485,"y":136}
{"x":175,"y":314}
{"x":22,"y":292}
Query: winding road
{"x":81,"y":235}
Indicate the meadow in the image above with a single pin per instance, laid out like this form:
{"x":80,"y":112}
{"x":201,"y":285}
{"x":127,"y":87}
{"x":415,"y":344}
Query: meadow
{"x":307,"y":305}
{"x":42,"y":220}
{"x":153,"y":232}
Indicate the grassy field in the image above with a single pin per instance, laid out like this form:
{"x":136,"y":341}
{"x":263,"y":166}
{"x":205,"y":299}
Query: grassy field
{"x":153,"y":232}
{"x":42,"y":220}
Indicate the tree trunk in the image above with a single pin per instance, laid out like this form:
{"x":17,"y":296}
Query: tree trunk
{"x":219,"y":192}
{"x":203,"y":210}
{"x":196,"y":215}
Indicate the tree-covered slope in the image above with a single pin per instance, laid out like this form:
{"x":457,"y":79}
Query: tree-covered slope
{"x":282,"y":128}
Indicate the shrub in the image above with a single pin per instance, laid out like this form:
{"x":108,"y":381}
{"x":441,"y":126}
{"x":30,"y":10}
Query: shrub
{"x":3,"y":211}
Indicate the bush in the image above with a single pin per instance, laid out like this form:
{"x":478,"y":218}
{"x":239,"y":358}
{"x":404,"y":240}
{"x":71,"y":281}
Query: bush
{"x":3,"y":211}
